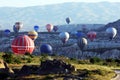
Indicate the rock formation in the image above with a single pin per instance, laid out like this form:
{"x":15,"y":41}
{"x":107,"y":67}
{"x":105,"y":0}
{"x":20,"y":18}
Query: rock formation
{"x":5,"y":71}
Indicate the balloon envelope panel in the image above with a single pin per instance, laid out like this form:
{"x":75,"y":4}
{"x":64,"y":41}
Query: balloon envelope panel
{"x":64,"y":36}
{"x":49,"y":27}
{"x":80,"y":34}
{"x":46,"y":48}
{"x":82,"y":42}
{"x":7,"y":32}
{"x":36,"y":28}
{"x":111,"y":31}
{"x":33,"y":35}
{"x":91,"y":35}
{"x":22,"y":44}
{"x":18,"y":25}
{"x":55,"y":28}
{"x":68,"y":20}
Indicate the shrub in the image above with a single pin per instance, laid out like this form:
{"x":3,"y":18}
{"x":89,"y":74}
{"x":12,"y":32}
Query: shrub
{"x":110,"y":60}
{"x":53,"y":54}
{"x":44,"y":55}
{"x":73,"y":59}
{"x":27,"y":53}
{"x":17,"y":60}
{"x":100,"y":72}
{"x":8,"y":58}
{"x":95,"y":60}
{"x":117,"y":60}
{"x":83,"y":62}
{"x":29,"y":60}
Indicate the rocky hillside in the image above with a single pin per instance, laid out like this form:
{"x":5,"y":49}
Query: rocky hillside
{"x":115,"y":24}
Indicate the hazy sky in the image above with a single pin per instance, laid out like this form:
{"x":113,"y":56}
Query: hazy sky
{"x":24,"y":3}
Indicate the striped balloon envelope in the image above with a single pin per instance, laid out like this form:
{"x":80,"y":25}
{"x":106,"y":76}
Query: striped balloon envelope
{"x":33,"y":35}
{"x":22,"y":44}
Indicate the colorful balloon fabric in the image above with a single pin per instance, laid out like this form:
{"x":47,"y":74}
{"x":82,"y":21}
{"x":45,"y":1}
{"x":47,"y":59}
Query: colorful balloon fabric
{"x":18,"y":25}
{"x":49,"y":27}
{"x":36,"y":28}
{"x":22,"y":44}
{"x":91,"y":35}
{"x":112,"y":32}
{"x":64,"y":36}
{"x":74,"y":33}
{"x":55,"y":28}
{"x":80,"y":34}
{"x":7,"y":32}
{"x":68,"y":20}
{"x":82,"y":42}
{"x":33,"y":35}
{"x":46,"y":48}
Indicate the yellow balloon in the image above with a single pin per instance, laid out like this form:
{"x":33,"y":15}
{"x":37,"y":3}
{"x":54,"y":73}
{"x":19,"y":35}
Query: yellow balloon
{"x":33,"y":35}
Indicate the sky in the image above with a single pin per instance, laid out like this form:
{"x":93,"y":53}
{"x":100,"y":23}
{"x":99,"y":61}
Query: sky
{"x":26,"y":3}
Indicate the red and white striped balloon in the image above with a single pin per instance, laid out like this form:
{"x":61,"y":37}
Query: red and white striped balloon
{"x":22,"y":44}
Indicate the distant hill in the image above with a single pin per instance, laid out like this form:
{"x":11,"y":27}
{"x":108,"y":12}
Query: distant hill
{"x":80,"y":13}
{"x":115,"y":24}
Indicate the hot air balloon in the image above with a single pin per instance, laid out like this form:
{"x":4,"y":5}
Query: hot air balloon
{"x":91,"y":35}
{"x":46,"y":48}
{"x":36,"y":28}
{"x":33,"y":35}
{"x":22,"y":44}
{"x":64,"y":36}
{"x":82,"y":42}
{"x":112,"y":32}
{"x":18,"y":25}
{"x":7,"y":32}
{"x":80,"y":34}
{"x":49,"y":27}
{"x":68,"y":20}
{"x":73,"y":33}
{"x":55,"y":28}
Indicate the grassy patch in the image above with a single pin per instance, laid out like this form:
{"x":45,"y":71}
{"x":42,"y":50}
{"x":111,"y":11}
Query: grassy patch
{"x":93,"y":69}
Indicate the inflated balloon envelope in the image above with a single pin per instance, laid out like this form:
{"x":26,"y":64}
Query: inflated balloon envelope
{"x":22,"y":44}
{"x":55,"y":28}
{"x":36,"y":28}
{"x":46,"y":48}
{"x":7,"y":32}
{"x":64,"y":36}
{"x":82,"y":42}
{"x":49,"y":27}
{"x":111,"y":32}
{"x":33,"y":35}
{"x":68,"y":20}
{"x":18,"y":25}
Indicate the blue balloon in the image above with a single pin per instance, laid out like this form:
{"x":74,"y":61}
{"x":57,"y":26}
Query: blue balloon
{"x":36,"y":28}
{"x":46,"y":48}
{"x":80,"y":34}
{"x":7,"y":32}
